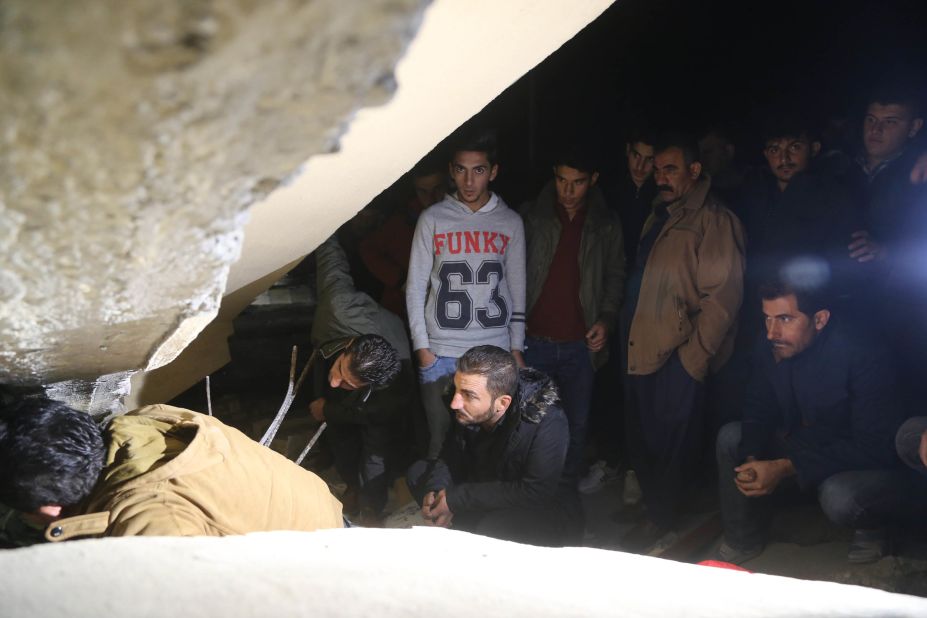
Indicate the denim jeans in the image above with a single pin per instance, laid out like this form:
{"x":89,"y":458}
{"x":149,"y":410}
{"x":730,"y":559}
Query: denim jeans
{"x":570,"y":366}
{"x":436,"y":383}
{"x":858,"y":499}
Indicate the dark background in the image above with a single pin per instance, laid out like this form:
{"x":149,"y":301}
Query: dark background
{"x":692,"y":64}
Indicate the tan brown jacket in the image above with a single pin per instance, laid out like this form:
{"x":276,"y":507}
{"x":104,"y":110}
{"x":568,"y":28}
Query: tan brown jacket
{"x":692,"y":288}
{"x":173,"y":472}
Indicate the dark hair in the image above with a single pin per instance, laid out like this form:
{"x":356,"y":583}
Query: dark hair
{"x":496,"y":364}
{"x":678,"y":139}
{"x":432,"y":163}
{"x":479,"y":140}
{"x":790,"y":124}
{"x":810,"y":298}
{"x":641,"y":134}
{"x":50,"y":454}
{"x":578,"y":157}
{"x":897,"y":94}
{"x":373,"y":360}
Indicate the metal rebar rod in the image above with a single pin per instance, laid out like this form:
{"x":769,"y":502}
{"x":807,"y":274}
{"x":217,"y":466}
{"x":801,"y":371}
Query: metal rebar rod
{"x":315,"y":438}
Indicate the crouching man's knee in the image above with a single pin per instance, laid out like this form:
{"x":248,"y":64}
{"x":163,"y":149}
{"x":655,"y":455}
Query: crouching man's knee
{"x":728,"y":443}
{"x":839,"y":498}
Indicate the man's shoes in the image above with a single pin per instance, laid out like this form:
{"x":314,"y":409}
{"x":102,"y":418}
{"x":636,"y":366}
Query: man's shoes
{"x":643,"y":537}
{"x":868,"y":546}
{"x":727,"y":553}
{"x":631,"y":494}
{"x":599,"y":475}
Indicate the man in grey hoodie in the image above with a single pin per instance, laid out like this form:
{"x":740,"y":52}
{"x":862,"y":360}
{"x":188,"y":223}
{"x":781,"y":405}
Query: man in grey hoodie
{"x":466,"y":280}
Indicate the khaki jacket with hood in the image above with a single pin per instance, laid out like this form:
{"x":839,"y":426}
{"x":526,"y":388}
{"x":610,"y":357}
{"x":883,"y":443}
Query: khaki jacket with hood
{"x":692,"y":288}
{"x":173,"y":472}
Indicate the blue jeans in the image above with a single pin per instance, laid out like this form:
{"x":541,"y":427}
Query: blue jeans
{"x":436,"y":382}
{"x":570,"y":366}
{"x":858,"y":499}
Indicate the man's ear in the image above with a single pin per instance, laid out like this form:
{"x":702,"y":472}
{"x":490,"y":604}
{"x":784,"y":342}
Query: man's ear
{"x":821,"y":318}
{"x":503,"y":402}
{"x":916,"y":127}
{"x":695,"y":170}
{"x":493,"y":172}
{"x":594,"y":178}
{"x":815,"y":148}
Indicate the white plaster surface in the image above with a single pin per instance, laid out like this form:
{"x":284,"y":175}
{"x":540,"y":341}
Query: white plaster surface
{"x":134,"y":136}
{"x":423,"y":572}
{"x":465,"y":53}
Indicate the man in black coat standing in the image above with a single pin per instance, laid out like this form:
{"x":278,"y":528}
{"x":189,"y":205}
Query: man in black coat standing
{"x":500,"y":471}
{"x":820,"y":414}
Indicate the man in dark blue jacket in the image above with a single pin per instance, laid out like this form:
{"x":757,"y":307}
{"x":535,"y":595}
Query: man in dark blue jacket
{"x":820,"y":413}
{"x":500,"y":472}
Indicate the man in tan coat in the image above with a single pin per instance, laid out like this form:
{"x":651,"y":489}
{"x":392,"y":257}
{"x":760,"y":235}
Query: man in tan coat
{"x":158,"y":471}
{"x":679,"y":323}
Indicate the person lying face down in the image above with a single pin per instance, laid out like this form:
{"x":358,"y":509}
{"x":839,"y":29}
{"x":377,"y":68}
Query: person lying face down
{"x":157,"y":471}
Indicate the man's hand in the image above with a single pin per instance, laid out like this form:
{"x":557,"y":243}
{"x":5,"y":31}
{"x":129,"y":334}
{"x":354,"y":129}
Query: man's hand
{"x":424,"y":357}
{"x":519,"y":358}
{"x":597,"y":337}
{"x":317,"y":409}
{"x":863,"y":248}
{"x":435,"y":509}
{"x":760,"y":478}
{"x":919,"y":172}
{"x":922,"y":451}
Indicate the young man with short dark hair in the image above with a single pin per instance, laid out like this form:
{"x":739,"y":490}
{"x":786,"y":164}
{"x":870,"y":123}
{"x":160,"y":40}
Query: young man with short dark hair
{"x":500,"y":470}
{"x":466,"y":282}
{"x":575,"y":281}
{"x":364,"y":384}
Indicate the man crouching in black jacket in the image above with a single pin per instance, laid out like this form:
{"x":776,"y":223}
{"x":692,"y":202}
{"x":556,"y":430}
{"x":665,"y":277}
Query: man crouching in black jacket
{"x":500,"y":470}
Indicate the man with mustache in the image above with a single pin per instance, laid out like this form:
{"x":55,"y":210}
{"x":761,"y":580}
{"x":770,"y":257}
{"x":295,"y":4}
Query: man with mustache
{"x":819,"y":419}
{"x":678,"y":322}
{"x":794,"y":209}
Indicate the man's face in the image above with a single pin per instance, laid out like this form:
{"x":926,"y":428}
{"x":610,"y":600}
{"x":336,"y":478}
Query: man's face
{"x":716,"y":153}
{"x":887,"y":128}
{"x":640,"y":162}
{"x":673,"y":177}
{"x":472,"y":174}
{"x":572,"y":186}
{"x":429,"y":189}
{"x":340,"y":375}
{"x":788,"y":156}
{"x":472,"y":402}
{"x":789,"y":330}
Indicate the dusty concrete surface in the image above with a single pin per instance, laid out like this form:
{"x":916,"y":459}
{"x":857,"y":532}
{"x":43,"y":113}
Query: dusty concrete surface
{"x":134,"y":137}
{"x":417,"y":572}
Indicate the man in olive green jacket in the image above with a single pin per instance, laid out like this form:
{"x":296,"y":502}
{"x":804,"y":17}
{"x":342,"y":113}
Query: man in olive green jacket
{"x":575,"y":275}
{"x":679,"y":322}
{"x":158,"y":471}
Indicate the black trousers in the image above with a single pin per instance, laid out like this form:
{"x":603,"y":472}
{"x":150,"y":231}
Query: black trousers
{"x":665,"y":427}
{"x":551,"y":525}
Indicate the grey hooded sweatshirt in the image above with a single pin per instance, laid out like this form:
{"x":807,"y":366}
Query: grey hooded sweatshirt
{"x":466,"y":281}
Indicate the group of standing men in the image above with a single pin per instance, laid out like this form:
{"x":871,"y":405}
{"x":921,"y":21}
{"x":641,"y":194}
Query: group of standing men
{"x":511,"y":315}
{"x":672,"y":281}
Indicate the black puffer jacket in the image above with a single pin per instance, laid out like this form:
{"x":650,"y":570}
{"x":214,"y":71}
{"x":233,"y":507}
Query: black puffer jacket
{"x":518,"y":464}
